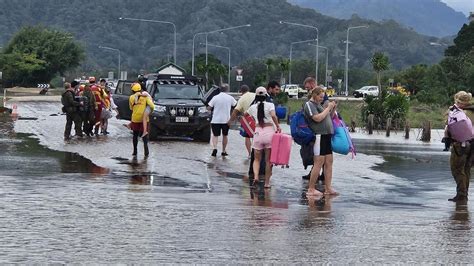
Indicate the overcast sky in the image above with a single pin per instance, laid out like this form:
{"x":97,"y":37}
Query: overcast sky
{"x":464,"y":6}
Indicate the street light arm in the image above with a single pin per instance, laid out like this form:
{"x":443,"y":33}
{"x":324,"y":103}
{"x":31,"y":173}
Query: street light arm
{"x":230,"y":28}
{"x":312,"y":40}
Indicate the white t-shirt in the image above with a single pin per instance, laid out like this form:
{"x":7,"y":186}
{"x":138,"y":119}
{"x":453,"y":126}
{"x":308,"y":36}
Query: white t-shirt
{"x":222,"y":104}
{"x":267,"y":108}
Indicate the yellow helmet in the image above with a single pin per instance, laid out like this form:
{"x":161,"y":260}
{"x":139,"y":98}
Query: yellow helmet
{"x":136,"y":87}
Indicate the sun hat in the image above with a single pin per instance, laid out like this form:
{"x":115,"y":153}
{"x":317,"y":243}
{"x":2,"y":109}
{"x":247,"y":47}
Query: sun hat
{"x":462,"y":98}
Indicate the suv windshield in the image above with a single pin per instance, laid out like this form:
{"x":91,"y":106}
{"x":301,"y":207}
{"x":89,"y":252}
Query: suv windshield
{"x":177,"y":92}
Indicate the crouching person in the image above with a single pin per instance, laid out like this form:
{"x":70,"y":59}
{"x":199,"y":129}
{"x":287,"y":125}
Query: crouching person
{"x":138,"y":104}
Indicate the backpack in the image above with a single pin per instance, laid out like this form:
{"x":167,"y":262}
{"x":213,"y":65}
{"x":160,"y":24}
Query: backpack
{"x":300,"y":131}
{"x":459,"y":125}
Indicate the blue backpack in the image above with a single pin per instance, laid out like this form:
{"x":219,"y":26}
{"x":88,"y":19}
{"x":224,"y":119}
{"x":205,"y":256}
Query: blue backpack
{"x":300,"y":130}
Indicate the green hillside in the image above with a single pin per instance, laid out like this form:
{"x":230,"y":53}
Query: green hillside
{"x":144,"y":45}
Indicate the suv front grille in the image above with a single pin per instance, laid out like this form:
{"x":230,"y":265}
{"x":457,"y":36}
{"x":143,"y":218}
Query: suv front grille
{"x":181,"y":111}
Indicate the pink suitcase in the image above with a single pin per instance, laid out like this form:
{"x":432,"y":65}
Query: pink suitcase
{"x":281,"y":148}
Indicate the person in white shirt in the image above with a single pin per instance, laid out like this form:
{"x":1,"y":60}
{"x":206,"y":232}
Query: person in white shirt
{"x":222,"y":104}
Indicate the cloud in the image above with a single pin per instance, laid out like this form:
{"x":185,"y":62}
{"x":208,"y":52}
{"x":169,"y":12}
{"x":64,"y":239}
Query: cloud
{"x":464,"y":6}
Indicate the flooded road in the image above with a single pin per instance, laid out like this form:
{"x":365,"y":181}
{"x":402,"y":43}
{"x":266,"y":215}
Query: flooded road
{"x":88,"y":201}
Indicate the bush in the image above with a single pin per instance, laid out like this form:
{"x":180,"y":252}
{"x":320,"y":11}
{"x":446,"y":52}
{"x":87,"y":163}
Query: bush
{"x":387,"y":106}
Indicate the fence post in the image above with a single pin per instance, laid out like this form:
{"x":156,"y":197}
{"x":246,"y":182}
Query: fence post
{"x":407,"y":130}
{"x":371,"y":124}
{"x":353,"y":125}
{"x":426,"y":132}
{"x":389,"y":125}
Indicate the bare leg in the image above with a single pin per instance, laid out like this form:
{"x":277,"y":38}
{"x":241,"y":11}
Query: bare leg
{"x":268,"y":168}
{"x":225,"y":140}
{"x":214,"y":140}
{"x":248,"y":145}
{"x":318,"y":163}
{"x":328,"y":161}
{"x":145,"y":123}
{"x":256,"y":164}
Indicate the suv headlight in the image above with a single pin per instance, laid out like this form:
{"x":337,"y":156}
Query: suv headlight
{"x":160,"y":108}
{"x":203,"y":110}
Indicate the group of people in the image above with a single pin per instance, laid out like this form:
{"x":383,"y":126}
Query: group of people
{"x":261,"y":106}
{"x":88,"y":106}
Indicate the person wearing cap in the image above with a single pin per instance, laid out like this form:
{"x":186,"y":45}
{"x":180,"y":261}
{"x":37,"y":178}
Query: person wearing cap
{"x":461,"y":152}
{"x":221,"y":105}
{"x":138,"y":104}
{"x":267,"y":123}
{"x":245,"y":101}
{"x":70,"y":107}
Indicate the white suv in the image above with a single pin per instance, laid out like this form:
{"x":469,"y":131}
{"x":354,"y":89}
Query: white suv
{"x":367,"y":90}
{"x":293,"y":90}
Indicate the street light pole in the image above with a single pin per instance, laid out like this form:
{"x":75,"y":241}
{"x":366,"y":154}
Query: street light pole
{"x":117,"y":50}
{"x":317,"y":42}
{"x":346,"y":70}
{"x":228,"y":49}
{"x":192,"y":59}
{"x":291,"y":52}
{"x":215,"y":31}
{"x":158,"y":21}
{"x":327,"y":57}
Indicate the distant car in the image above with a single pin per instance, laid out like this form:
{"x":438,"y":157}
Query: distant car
{"x":293,"y":90}
{"x":367,"y":90}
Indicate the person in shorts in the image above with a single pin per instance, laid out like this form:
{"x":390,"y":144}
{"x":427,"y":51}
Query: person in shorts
{"x":319,"y":119}
{"x":267,"y":124}
{"x":222,"y":104}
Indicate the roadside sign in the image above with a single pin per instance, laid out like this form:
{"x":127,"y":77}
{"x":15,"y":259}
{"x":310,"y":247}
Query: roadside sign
{"x":329,"y":78}
{"x":239,"y":71}
{"x":239,"y":78}
{"x":43,"y":86}
{"x":110,"y":76}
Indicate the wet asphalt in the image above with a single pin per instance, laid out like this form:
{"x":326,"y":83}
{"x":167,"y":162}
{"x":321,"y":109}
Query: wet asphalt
{"x":88,"y":201}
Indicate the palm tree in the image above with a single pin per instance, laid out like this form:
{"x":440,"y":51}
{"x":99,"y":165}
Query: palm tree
{"x":284,"y":67}
{"x":379,"y":63}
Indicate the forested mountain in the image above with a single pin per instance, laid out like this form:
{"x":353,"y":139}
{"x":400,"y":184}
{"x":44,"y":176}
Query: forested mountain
{"x":145,"y":45}
{"x":429,"y":17}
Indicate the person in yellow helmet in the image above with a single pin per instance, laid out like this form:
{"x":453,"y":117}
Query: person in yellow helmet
{"x":138,"y":103}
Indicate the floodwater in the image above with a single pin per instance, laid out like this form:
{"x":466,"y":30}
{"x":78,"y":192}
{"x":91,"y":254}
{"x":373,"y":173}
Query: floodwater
{"x":87,"y":201}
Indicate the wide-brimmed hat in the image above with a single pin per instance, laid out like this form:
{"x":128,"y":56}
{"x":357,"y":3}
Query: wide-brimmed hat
{"x":463,"y":98}
{"x":261,"y":91}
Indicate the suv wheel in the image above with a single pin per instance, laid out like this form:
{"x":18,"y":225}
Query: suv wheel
{"x":204,"y":135}
{"x":153,"y":132}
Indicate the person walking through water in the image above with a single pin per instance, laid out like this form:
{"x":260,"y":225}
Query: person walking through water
{"x":264,"y":113}
{"x":246,"y":99}
{"x":222,"y":104}
{"x":70,"y":107}
{"x":319,"y":119}
{"x":461,"y":152}
{"x":138,"y":104}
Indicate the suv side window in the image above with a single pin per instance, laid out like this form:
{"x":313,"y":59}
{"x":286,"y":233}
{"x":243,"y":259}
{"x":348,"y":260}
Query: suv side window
{"x":124,"y":88}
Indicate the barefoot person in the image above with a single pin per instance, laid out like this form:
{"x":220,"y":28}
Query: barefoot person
{"x":264,"y":113}
{"x":319,"y":119}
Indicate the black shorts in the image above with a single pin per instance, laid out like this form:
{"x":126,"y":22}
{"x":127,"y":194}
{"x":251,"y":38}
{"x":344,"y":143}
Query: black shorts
{"x":217,"y":128}
{"x":322,"y":145}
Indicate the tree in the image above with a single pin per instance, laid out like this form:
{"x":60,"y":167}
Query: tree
{"x":215,"y":68}
{"x":284,"y":68}
{"x":379,"y":64}
{"x":463,"y":43}
{"x":413,"y":77}
{"x":36,"y":54}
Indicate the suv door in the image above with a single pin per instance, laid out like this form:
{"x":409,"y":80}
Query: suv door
{"x":121,"y":97}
